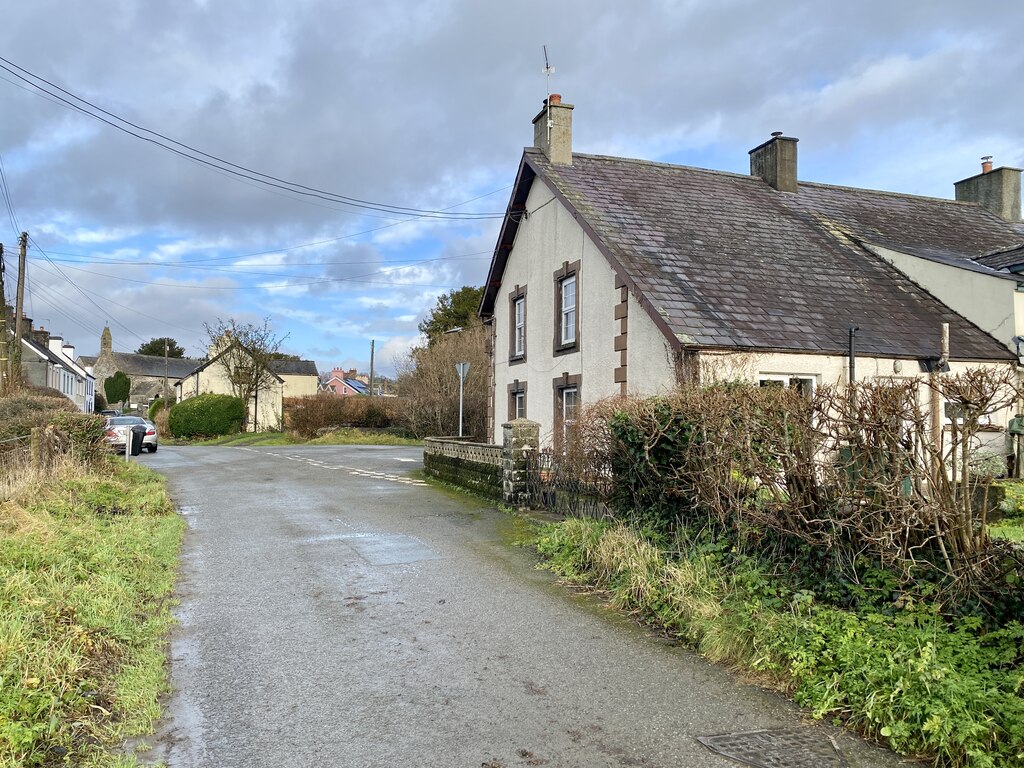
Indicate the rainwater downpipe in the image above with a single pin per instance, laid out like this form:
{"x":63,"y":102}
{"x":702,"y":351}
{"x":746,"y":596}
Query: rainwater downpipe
{"x":853,"y":354}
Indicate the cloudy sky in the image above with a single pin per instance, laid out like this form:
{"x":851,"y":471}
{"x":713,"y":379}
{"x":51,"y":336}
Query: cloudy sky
{"x":404,"y":124}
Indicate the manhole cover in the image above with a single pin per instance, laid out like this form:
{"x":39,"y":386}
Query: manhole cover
{"x":781,"y":748}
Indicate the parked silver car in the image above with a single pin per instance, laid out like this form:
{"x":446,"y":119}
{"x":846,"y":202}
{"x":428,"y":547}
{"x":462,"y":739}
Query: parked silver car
{"x":119,"y":428}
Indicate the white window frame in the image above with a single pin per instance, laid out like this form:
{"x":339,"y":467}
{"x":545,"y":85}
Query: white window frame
{"x":787,"y":379}
{"x":566,"y":421}
{"x":519,"y":400}
{"x":568,"y":324}
{"x":519,"y":342}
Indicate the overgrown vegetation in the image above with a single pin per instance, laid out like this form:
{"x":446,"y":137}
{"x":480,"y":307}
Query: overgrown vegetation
{"x":428,"y":385}
{"x":312,"y":416}
{"x":206,"y":416}
{"x":28,"y":408}
{"x":837,"y":545}
{"x":88,"y":547}
{"x":949,"y":692}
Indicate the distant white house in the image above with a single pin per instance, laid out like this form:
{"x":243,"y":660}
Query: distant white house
{"x":47,"y":361}
{"x":286,"y":378}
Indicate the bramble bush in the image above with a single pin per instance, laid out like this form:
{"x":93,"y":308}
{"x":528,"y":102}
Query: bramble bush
{"x":206,"y":415}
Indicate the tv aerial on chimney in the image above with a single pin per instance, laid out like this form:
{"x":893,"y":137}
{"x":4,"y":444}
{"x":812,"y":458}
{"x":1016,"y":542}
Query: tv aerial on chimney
{"x":548,"y":72}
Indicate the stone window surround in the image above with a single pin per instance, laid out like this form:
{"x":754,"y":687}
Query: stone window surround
{"x":516,"y":387}
{"x":513,"y":297}
{"x":558,"y":385}
{"x":569,"y":269}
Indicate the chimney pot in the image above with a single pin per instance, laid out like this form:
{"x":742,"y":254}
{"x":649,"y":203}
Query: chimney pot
{"x":986,"y":164}
{"x":776,"y":134}
{"x":555,"y":98}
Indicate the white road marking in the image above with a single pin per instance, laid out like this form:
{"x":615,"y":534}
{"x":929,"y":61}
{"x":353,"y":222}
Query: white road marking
{"x":358,"y":471}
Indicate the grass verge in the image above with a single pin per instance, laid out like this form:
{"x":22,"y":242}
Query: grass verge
{"x":87,"y":564}
{"x":952,"y":694}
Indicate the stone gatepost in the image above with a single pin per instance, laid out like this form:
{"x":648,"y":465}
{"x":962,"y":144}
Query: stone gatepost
{"x":521,"y":437}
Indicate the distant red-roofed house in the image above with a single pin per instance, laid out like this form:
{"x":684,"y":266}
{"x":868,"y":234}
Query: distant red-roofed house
{"x":344,"y":383}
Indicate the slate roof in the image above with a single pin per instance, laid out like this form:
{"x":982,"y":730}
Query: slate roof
{"x":1009,"y":258}
{"x":294,"y":367}
{"x":148,"y":365}
{"x":723,"y":260}
{"x":43,"y":352}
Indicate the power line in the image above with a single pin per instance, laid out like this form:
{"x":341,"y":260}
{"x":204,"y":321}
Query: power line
{"x":77,"y":288}
{"x":108,"y":300}
{"x":237,"y":269}
{"x":213,"y":161}
{"x":327,"y":241}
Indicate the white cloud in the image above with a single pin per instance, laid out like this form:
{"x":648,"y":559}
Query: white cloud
{"x":427,"y":106}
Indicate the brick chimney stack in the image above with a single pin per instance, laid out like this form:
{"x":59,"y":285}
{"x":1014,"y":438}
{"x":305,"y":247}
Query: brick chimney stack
{"x":996,"y":190}
{"x":552,"y":130}
{"x":775,"y":162}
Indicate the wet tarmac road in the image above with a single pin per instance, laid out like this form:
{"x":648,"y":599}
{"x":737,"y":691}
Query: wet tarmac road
{"x":336,"y":611}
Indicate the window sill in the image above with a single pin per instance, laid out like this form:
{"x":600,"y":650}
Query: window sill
{"x":565,"y":349}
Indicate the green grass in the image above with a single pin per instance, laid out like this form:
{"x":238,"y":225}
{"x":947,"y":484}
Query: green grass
{"x":87,"y":565}
{"x":1011,"y":530}
{"x":354,"y":436}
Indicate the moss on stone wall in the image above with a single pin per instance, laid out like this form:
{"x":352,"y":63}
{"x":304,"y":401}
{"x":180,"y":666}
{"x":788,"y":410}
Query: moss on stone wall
{"x":484,"y":479}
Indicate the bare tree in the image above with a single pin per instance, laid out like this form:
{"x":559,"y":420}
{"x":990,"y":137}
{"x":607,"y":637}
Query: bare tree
{"x":245,"y":352}
{"x":429,"y":384}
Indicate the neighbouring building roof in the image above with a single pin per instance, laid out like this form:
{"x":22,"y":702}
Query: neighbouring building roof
{"x":45,"y":353}
{"x":294,"y":368}
{"x":1007,"y":258}
{"x":361,"y":387}
{"x":148,"y":365}
{"x":723,"y":260}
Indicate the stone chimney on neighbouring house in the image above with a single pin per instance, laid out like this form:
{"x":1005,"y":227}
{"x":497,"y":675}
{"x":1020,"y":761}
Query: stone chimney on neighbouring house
{"x":552,"y":130}
{"x":996,"y":190}
{"x":775,"y":162}
{"x":41,"y":336}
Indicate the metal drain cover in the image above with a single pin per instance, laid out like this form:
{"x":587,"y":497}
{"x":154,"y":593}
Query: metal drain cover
{"x":780,"y":748}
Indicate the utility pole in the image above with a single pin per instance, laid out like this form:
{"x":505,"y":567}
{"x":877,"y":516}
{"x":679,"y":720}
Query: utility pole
{"x":4,"y":373}
{"x":19,"y":310}
{"x":372,"y":343}
{"x":166,"y":394}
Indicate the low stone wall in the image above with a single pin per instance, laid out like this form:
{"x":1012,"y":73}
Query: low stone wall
{"x":478,"y":467}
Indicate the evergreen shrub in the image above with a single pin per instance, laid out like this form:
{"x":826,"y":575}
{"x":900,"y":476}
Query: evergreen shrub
{"x":206,"y":416}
